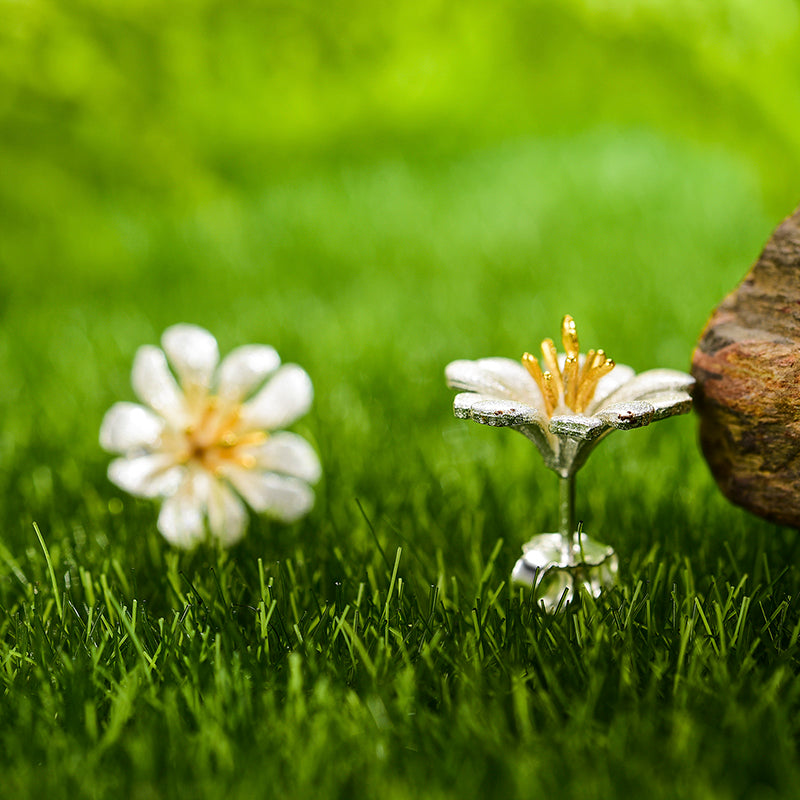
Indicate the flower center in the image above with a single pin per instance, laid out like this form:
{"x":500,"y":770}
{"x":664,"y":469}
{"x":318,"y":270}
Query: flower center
{"x":573,"y":385}
{"x":216,"y":438}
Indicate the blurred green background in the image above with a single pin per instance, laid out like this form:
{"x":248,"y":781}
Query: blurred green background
{"x":131,"y":124}
{"x":375,"y":191}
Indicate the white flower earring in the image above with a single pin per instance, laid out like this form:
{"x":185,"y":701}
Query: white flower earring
{"x":565,"y":409}
{"x":208,"y":436}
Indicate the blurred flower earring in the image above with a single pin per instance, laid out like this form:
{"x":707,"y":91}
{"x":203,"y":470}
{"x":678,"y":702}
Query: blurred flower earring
{"x":565,"y":406}
{"x":207,"y":439}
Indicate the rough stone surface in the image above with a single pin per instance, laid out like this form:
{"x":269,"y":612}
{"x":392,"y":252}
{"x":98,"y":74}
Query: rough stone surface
{"x":747,"y":365}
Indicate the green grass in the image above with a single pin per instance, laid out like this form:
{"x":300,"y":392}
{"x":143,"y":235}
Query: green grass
{"x":376,"y":229}
{"x":317,"y":659}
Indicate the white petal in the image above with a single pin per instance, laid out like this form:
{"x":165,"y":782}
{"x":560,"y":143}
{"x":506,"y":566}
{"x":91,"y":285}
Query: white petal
{"x":154,"y":385}
{"x":128,"y":426}
{"x":529,"y":421}
{"x":244,"y":369}
{"x":623,"y":416}
{"x":282,"y":497}
{"x":652,"y":382}
{"x":227,"y":516}
{"x":512,"y":375}
{"x":286,"y":397}
{"x":577,"y":426}
{"x":618,"y":376}
{"x":182,"y":517}
{"x":496,"y":412}
{"x":288,"y":454}
{"x":501,"y":378}
{"x":153,"y":475}
{"x":193,"y":352}
{"x":669,"y":404}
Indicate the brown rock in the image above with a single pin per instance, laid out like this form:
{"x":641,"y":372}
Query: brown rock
{"x":747,"y":365}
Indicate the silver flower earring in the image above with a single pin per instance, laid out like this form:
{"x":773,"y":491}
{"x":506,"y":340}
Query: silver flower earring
{"x":565,"y":409}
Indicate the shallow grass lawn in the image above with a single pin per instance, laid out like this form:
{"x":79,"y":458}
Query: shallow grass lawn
{"x":376,"y":648}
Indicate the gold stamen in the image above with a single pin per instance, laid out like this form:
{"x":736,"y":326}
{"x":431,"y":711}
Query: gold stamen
{"x":254,"y":437}
{"x":570,"y":380}
{"x":551,"y":360}
{"x":576,"y":383}
{"x":589,"y":385}
{"x":230,"y":439}
{"x":589,"y":377}
{"x":214,"y":439}
{"x":607,"y":366}
{"x":584,"y":394}
{"x":569,"y":337}
{"x":534,"y":370}
{"x":550,"y":393}
{"x":587,"y":365}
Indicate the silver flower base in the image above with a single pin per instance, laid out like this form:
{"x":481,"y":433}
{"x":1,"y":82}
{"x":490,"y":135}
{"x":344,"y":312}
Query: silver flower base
{"x":558,"y":569}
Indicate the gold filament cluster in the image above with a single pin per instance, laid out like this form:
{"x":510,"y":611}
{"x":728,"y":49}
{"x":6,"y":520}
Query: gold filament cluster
{"x":575,"y":384}
{"x":216,"y":438}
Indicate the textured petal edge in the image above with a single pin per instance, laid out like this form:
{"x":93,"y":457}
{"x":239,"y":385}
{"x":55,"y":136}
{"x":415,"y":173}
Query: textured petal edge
{"x":670,"y":404}
{"x":577,"y":426}
{"x":625,"y":416}
{"x":498,"y":413}
{"x":646,"y":384}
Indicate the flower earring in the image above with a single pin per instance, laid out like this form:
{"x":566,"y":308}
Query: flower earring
{"x":565,"y":409}
{"x":207,"y":439}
